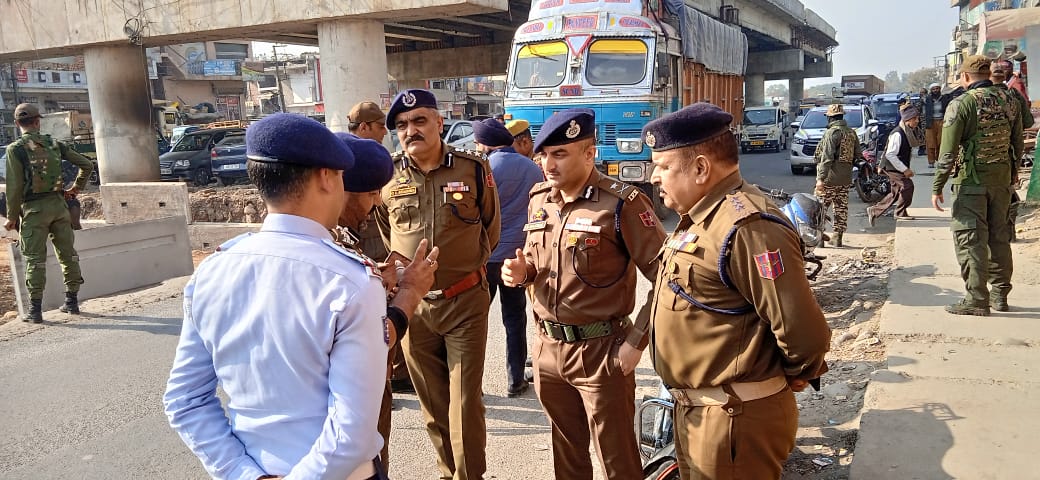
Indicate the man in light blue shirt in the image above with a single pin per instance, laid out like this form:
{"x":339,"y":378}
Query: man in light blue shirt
{"x":288,"y":324}
{"x":514,"y":174}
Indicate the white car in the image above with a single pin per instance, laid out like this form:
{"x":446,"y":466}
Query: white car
{"x":810,"y":131}
{"x":457,"y":133}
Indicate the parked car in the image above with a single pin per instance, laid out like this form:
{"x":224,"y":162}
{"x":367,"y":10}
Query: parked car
{"x":189,"y":159}
{"x":457,"y":133}
{"x":811,"y":128}
{"x":180,"y":131}
{"x":228,"y":158}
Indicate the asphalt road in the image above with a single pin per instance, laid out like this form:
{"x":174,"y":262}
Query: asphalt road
{"x":81,"y":397}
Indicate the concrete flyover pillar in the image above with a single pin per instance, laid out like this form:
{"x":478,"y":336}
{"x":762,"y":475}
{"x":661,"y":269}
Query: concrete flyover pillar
{"x":795,"y":92}
{"x":353,"y":66}
{"x":121,"y":110}
{"x":754,"y":90}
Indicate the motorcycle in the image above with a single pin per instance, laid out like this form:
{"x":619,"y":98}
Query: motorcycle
{"x":871,"y":185}
{"x":807,"y":215}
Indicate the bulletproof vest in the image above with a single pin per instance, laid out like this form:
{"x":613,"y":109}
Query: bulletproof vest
{"x":43,"y":172}
{"x":994,"y":113}
{"x":847,"y":147}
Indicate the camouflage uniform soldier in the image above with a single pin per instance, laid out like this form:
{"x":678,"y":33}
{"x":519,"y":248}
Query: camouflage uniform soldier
{"x":980,"y":129}
{"x":36,"y":207}
{"x":838,"y":149}
{"x":1001,"y":70}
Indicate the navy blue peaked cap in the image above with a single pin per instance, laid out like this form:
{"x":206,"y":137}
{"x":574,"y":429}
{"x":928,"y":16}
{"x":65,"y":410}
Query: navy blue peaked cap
{"x":407,"y":100}
{"x":492,"y":133}
{"x":566,"y":126}
{"x":298,"y":140}
{"x":373,"y":166}
{"x":694,"y":124}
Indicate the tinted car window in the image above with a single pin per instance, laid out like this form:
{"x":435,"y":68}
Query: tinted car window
{"x":192,"y":143}
{"x":232,"y":141}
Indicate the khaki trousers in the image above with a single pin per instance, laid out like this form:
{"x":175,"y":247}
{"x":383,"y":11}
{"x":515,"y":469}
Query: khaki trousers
{"x":586,"y":397}
{"x":444,"y":348}
{"x":932,"y":139}
{"x":751,"y":444}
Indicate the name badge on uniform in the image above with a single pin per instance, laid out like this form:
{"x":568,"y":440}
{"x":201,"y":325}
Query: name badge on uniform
{"x":583,"y":225}
{"x":539,"y":225}
{"x":403,"y":191}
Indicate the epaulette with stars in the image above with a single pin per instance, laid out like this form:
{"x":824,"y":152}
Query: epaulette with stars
{"x":619,"y":189}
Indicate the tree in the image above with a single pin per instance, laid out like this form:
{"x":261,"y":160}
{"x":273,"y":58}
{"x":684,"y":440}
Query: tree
{"x":920,"y":79}
{"x":893,"y":82}
{"x":777,"y":90}
{"x":826,"y":89}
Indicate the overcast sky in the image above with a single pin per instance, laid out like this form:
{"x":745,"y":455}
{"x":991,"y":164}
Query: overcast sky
{"x":878,"y":36}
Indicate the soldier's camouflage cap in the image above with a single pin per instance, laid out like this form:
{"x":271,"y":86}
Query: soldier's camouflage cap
{"x":975,"y":64}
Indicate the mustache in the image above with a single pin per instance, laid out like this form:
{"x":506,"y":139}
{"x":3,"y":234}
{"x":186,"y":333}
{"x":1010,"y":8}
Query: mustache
{"x":417,"y":136}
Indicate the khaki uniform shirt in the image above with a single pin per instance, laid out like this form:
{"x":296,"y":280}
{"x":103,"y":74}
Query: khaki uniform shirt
{"x":583,"y":255}
{"x":783,"y":331}
{"x":454,"y":207}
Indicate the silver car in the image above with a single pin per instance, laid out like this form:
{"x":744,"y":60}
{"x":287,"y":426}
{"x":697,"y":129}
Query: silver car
{"x":457,"y":133}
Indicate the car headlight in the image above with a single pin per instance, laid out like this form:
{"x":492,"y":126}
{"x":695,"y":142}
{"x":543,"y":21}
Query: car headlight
{"x":798,"y":141}
{"x":629,"y":145}
{"x":182,"y":163}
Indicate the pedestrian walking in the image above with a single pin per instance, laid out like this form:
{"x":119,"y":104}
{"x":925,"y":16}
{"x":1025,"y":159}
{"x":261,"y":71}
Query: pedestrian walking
{"x":448,"y":197}
{"x":837,"y":151}
{"x":980,"y":129}
{"x":587,"y":234}
{"x":291,"y":327}
{"x":37,"y":207}
{"x":372,"y":170}
{"x":515,"y":175}
{"x":736,"y":328}
{"x":935,"y":105}
{"x":896,"y":165}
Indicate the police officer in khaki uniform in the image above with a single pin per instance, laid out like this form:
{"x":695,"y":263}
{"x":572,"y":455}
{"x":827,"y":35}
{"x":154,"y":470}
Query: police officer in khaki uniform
{"x":736,"y":328}
{"x":587,"y":234}
{"x":37,"y":207}
{"x":448,"y":197}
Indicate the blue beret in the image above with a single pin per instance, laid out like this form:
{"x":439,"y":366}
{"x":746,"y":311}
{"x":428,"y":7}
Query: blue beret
{"x":566,"y":126}
{"x":694,"y":124}
{"x":407,"y":100}
{"x":492,"y":133}
{"x":298,"y":140}
{"x":373,"y":166}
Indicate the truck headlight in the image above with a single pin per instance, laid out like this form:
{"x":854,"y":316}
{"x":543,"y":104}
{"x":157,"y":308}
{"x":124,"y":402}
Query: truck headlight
{"x":631,"y":172}
{"x":629,"y":145}
{"x":182,"y":163}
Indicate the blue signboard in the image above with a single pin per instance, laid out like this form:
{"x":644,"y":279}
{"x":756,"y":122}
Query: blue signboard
{"x":220,"y":67}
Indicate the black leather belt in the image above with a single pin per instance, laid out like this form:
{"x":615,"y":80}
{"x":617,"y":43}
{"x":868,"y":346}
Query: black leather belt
{"x":573,"y":333}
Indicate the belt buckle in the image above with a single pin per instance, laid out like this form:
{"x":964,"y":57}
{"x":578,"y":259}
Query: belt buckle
{"x":434,"y":295}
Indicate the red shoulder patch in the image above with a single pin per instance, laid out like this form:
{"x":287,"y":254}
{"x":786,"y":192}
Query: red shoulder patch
{"x":770,"y":264}
{"x":648,"y":218}
{"x":490,"y":181}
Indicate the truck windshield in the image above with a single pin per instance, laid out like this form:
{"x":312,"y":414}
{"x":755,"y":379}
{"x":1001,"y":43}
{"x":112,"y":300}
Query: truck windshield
{"x":192,"y":143}
{"x":540,"y":65}
{"x":759,"y":117}
{"x":616,"y":62}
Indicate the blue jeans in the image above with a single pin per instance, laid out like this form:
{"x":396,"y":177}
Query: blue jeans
{"x":514,"y":318}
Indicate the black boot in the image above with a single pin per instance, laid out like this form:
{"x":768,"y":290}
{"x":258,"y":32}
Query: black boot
{"x":35,"y":313}
{"x":71,"y":303}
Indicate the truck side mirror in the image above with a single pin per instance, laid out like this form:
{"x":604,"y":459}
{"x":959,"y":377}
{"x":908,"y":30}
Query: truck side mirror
{"x":662,"y":69}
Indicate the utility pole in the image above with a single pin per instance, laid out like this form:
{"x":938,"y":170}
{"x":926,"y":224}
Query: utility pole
{"x":278,"y":77}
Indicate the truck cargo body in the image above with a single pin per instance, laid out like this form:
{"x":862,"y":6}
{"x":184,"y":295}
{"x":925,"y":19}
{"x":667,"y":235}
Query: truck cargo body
{"x":630,"y":69}
{"x":862,"y":85}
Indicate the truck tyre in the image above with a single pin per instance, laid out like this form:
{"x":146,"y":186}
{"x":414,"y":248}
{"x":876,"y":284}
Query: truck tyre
{"x":201,"y":177}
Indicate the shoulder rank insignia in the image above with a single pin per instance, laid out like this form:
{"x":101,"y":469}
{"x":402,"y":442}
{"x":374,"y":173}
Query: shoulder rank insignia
{"x":742,"y":205}
{"x":770,"y":264}
{"x":370,"y":266}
